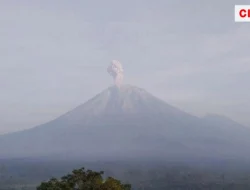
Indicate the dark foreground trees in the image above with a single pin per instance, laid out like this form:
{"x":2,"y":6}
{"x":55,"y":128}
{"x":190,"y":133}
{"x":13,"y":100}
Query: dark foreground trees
{"x":83,"y":180}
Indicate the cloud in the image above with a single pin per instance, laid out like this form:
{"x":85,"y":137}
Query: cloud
{"x":49,"y":51}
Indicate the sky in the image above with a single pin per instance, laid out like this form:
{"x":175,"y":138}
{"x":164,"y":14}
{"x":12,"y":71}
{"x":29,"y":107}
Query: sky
{"x":54,"y":55}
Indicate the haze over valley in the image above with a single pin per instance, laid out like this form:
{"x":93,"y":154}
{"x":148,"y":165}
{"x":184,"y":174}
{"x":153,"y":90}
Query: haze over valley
{"x":124,"y":95}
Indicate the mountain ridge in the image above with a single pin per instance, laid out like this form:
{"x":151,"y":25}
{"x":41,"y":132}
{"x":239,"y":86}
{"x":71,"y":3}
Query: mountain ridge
{"x":127,"y":122}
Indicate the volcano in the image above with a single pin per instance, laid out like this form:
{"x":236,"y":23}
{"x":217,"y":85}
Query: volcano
{"x":129,"y":123}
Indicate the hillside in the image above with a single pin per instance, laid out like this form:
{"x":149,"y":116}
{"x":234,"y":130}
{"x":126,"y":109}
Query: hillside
{"x":128,"y":123}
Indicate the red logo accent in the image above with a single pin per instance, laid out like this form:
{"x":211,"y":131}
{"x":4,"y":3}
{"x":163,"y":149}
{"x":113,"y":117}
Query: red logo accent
{"x":244,"y":13}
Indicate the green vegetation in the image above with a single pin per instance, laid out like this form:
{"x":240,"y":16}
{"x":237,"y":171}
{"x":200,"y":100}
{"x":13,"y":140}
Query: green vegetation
{"x":83,"y":180}
{"x":46,"y":175}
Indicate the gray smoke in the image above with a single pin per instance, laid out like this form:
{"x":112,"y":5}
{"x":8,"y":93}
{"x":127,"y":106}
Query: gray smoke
{"x":116,"y":71}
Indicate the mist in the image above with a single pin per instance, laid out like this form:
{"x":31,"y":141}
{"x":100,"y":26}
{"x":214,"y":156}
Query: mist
{"x":50,"y":51}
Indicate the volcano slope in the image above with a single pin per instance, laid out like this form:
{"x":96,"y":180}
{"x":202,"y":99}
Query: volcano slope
{"x":129,"y":123}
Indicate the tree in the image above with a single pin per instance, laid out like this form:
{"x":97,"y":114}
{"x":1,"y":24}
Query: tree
{"x":83,"y":180}
{"x":114,"y":184}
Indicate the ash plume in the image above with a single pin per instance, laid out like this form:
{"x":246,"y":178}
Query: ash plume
{"x":116,"y":71}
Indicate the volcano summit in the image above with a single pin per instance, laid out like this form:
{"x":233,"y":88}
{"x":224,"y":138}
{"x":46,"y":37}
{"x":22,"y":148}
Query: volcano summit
{"x":129,"y":123}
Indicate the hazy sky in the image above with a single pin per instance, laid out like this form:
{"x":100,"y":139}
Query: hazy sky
{"x":54,"y":55}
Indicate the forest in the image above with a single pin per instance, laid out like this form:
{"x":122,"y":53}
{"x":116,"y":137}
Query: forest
{"x":30,"y":174}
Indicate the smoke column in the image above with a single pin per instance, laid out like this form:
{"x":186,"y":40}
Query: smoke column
{"x":116,"y":71}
